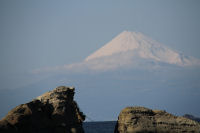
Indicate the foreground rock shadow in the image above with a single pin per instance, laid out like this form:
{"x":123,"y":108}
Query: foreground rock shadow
{"x":53,"y":112}
{"x":144,"y":120}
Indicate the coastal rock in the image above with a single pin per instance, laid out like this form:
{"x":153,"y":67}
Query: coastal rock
{"x":52,"y":112}
{"x":144,"y":120}
{"x":197,"y":119}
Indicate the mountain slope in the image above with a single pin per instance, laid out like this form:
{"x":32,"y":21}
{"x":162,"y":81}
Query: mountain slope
{"x":132,"y":49}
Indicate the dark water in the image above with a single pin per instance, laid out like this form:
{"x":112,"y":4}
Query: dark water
{"x":99,"y":127}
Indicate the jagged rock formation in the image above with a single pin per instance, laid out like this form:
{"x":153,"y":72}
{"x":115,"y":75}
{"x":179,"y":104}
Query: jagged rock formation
{"x":144,"y":120}
{"x":53,"y":112}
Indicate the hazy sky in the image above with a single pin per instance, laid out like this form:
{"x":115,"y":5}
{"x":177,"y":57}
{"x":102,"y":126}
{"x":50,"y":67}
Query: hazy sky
{"x":42,"y":33}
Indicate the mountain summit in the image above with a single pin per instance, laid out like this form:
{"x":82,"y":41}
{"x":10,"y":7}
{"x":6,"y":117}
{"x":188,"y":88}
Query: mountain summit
{"x":133,"y":44}
{"x":132,"y":50}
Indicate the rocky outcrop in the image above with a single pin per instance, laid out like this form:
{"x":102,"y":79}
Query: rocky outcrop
{"x":53,"y":112}
{"x":144,"y":120}
{"x":197,"y":119}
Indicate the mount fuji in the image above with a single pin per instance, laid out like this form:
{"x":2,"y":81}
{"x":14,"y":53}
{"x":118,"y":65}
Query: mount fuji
{"x":133,"y":50}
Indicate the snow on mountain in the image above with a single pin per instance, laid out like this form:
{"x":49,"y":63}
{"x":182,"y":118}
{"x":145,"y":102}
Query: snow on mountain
{"x":131,"y":49}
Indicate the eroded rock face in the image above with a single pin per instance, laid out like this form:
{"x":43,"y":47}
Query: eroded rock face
{"x":52,"y":112}
{"x":144,"y":120}
{"x":197,"y":119}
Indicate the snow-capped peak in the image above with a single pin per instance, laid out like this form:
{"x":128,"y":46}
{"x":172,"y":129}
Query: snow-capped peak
{"x":129,"y":45}
{"x":123,"y":42}
{"x":130,"y":50}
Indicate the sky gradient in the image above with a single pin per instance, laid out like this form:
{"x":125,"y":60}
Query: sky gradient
{"x":36,"y":34}
{"x":45,"y":33}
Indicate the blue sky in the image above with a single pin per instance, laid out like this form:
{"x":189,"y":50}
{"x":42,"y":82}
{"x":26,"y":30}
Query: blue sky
{"x":36,"y":34}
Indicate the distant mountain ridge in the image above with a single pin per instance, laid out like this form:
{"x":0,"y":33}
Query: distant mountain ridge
{"x":133,"y":49}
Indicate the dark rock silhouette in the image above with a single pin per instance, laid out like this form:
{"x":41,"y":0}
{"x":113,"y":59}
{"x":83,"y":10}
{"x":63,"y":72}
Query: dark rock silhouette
{"x":144,"y":120}
{"x":53,"y":112}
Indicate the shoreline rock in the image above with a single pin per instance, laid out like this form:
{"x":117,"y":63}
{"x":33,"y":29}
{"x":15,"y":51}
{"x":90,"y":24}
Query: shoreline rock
{"x":191,"y":117}
{"x":144,"y":120}
{"x":53,"y":112}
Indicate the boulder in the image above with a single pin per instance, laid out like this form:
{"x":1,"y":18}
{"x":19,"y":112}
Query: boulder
{"x":144,"y":120}
{"x":53,"y":112}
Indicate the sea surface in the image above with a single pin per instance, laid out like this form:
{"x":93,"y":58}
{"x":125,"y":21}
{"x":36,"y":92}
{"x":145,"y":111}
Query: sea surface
{"x":99,"y":127}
